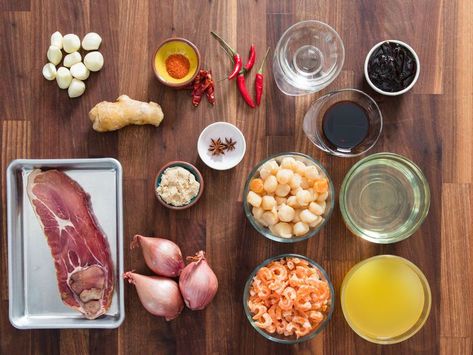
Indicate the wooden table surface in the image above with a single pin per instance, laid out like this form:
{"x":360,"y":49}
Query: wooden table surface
{"x":432,"y":125}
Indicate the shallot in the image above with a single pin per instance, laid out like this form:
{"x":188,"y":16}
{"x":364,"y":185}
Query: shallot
{"x":162,"y":256}
{"x":160,"y":296}
{"x":198,"y":283}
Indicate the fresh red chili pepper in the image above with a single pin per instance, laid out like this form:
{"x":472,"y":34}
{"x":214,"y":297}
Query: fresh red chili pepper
{"x":237,"y":64}
{"x":251,"y":58}
{"x":259,"y":87}
{"x":259,"y":80}
{"x":243,"y":90}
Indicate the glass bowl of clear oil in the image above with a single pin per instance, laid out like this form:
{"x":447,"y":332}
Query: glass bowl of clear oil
{"x":384,"y":198}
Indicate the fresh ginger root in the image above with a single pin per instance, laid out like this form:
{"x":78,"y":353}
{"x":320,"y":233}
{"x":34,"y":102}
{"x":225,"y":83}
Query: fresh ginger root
{"x":110,"y":116}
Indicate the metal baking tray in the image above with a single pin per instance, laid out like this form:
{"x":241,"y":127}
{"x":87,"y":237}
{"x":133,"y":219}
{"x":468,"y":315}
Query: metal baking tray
{"x":34,"y":300}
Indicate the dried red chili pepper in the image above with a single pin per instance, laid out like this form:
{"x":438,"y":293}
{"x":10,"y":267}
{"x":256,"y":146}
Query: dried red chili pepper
{"x":259,"y":79}
{"x":237,"y":64}
{"x":203,"y":83}
{"x":243,"y":90}
{"x":196,"y":91}
{"x":251,"y":58}
{"x":210,"y":92}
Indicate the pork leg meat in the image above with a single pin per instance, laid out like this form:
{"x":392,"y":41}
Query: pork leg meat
{"x":80,"y":250}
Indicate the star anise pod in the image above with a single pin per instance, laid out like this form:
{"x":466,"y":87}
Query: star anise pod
{"x":217,"y":147}
{"x":229,"y":144}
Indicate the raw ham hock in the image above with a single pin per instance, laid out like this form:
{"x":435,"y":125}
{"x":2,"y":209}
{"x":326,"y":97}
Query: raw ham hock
{"x":80,"y":250}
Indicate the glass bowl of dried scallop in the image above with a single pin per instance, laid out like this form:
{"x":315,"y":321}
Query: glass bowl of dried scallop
{"x":288,"y":197}
{"x":288,"y":299}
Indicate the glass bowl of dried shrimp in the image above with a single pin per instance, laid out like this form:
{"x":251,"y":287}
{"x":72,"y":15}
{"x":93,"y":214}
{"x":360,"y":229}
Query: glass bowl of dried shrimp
{"x":288,"y":299}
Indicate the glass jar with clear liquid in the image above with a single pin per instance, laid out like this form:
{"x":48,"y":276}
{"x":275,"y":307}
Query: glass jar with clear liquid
{"x":384,"y":198}
{"x":308,"y":57}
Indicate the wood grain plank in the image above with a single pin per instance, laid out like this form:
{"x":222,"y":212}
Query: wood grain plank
{"x":458,"y":105}
{"x":15,"y":5}
{"x":16,"y":144}
{"x":44,"y":341}
{"x":73,"y":341}
{"x":278,"y":124}
{"x":15,"y":79}
{"x":456,"y":258}
{"x":338,"y":327}
{"x":104,"y":85}
{"x":133,"y":49}
{"x":12,"y":341}
{"x":458,"y":346}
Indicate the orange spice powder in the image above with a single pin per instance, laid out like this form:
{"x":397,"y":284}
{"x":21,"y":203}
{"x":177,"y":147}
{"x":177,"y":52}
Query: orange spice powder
{"x":177,"y":66}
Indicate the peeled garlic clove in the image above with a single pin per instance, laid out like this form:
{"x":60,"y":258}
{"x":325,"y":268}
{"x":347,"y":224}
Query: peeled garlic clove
{"x":54,"y":55}
{"x":71,"y":59}
{"x":56,"y":39}
{"x":93,"y":61}
{"x":71,"y":43}
{"x":76,"y":88}
{"x":91,"y":41}
{"x":79,"y":71}
{"x":63,"y":77}
{"x":49,"y":71}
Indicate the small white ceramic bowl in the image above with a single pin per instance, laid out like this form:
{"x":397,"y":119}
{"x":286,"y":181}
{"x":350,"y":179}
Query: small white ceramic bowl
{"x":221,"y":130}
{"x":374,"y":87}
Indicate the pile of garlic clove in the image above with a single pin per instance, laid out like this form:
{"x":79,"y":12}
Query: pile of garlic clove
{"x":74,"y":69}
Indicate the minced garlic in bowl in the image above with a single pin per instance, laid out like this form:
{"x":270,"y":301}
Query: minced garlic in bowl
{"x":178,"y":186}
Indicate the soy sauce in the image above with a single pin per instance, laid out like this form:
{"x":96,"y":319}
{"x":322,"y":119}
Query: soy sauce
{"x":345,"y":125}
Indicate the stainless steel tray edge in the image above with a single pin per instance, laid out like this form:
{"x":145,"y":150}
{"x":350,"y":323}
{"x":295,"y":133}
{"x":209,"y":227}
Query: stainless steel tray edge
{"x":12,"y":227}
{"x":121,"y":281}
{"x":11,"y":202}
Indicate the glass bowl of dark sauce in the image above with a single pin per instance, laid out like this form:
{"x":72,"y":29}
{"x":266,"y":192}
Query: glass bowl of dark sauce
{"x":345,"y":123}
{"x":392,"y":67}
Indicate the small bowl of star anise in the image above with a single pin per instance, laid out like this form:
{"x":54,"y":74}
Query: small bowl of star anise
{"x":221,"y":146}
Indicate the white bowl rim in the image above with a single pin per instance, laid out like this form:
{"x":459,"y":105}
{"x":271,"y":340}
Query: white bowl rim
{"x":233,"y":127}
{"x":374,"y":87}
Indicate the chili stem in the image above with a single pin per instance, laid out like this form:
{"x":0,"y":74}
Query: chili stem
{"x":260,"y":70}
{"x":224,"y":44}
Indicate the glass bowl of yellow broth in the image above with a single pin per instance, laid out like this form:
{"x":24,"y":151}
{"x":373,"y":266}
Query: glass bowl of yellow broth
{"x":385,"y":299}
